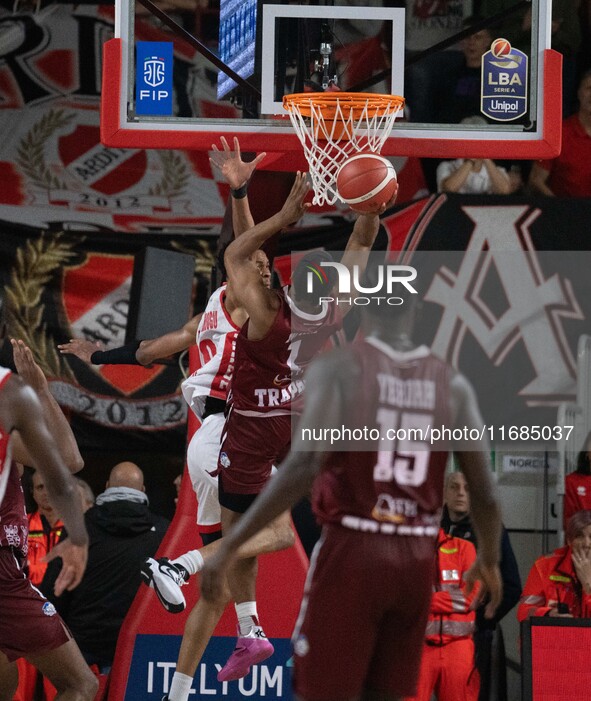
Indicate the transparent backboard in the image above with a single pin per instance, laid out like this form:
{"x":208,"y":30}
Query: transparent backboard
{"x":467,"y":93}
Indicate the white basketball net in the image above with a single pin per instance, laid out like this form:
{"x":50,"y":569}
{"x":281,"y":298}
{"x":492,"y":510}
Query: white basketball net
{"x":328,"y":142}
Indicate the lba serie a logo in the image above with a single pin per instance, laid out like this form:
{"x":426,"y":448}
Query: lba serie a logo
{"x":504,"y":82}
{"x":385,"y":280}
{"x":154,"y":77}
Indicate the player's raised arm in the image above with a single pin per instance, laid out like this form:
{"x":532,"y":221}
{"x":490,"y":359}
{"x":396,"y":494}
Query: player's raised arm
{"x":360,"y":244}
{"x":242,"y":271}
{"x":136,"y":353}
{"x":326,"y":383}
{"x":23,"y":412}
{"x":239,"y":251}
{"x":485,"y":511}
{"x":237,"y":174}
{"x":32,"y":374}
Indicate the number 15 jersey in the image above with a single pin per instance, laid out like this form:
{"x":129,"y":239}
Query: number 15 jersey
{"x":393,"y":485}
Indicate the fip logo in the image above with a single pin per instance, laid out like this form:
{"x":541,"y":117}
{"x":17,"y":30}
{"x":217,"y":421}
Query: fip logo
{"x":154,"y":71}
{"x":153,"y":93}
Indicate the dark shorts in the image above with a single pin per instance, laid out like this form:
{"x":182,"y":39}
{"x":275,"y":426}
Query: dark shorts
{"x":239,"y":503}
{"x":210,"y":536}
{"x":250,"y":446}
{"x":363,"y":616}
{"x":29,"y":624}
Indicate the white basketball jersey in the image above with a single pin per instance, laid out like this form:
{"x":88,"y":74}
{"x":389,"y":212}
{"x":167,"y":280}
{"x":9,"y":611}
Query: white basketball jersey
{"x":5,"y":445}
{"x":216,"y":341}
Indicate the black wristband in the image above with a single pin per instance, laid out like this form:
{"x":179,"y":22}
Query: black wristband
{"x":124,"y":355}
{"x":240,"y":193}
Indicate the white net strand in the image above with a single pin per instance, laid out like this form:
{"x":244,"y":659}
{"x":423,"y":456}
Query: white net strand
{"x":343,"y":136}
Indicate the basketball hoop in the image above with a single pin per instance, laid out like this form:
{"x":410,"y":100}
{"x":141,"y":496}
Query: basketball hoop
{"x":332,"y":126}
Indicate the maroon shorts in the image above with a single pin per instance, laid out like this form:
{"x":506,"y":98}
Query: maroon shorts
{"x":29,"y":624}
{"x":249,"y":448}
{"x":363,"y":616}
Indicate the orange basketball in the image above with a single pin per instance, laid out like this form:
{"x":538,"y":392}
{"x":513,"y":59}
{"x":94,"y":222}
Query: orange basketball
{"x":366,"y":181}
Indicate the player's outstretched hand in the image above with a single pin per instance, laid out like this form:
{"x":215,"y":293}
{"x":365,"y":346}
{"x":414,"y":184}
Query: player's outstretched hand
{"x":26,"y":366}
{"x":294,"y":207}
{"x":81,"y":348}
{"x":213,"y":575}
{"x":74,"y":559}
{"x":386,"y":205}
{"x":392,"y":201}
{"x":230,"y":164}
{"x":491,"y":589}
{"x":380,"y":209}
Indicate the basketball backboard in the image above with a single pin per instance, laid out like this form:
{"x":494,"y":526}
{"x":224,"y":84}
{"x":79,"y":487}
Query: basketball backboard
{"x":511,"y":98}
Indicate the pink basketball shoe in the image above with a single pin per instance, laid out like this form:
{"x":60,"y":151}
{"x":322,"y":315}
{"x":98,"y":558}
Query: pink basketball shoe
{"x":250,"y":649}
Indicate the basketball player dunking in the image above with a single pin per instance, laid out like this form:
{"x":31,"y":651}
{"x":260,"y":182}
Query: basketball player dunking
{"x":285,"y":330}
{"x":362,"y":621}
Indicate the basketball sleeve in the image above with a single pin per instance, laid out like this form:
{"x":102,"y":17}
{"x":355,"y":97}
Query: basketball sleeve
{"x":124,"y":355}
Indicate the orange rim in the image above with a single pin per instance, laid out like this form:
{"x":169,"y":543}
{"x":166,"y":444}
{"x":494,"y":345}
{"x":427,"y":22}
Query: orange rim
{"x":357,"y":102}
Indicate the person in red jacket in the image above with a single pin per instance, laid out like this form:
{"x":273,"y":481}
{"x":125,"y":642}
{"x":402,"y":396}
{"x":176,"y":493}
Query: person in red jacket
{"x":447,"y":666}
{"x":569,"y":174}
{"x":577,"y":485}
{"x":559,"y":584}
{"x":45,"y":529}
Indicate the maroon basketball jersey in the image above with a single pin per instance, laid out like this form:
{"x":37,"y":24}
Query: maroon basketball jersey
{"x":14,"y":527}
{"x":269,"y":373}
{"x":398,"y":487}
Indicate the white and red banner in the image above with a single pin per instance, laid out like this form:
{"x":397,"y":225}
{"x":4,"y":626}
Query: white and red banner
{"x":53,"y":169}
{"x":54,"y":172}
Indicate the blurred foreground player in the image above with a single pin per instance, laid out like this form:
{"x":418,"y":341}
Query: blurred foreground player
{"x":29,"y":624}
{"x":366,"y":602}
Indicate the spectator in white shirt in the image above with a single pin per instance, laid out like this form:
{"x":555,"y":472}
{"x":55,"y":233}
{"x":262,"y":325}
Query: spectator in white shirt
{"x":468,"y":176}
